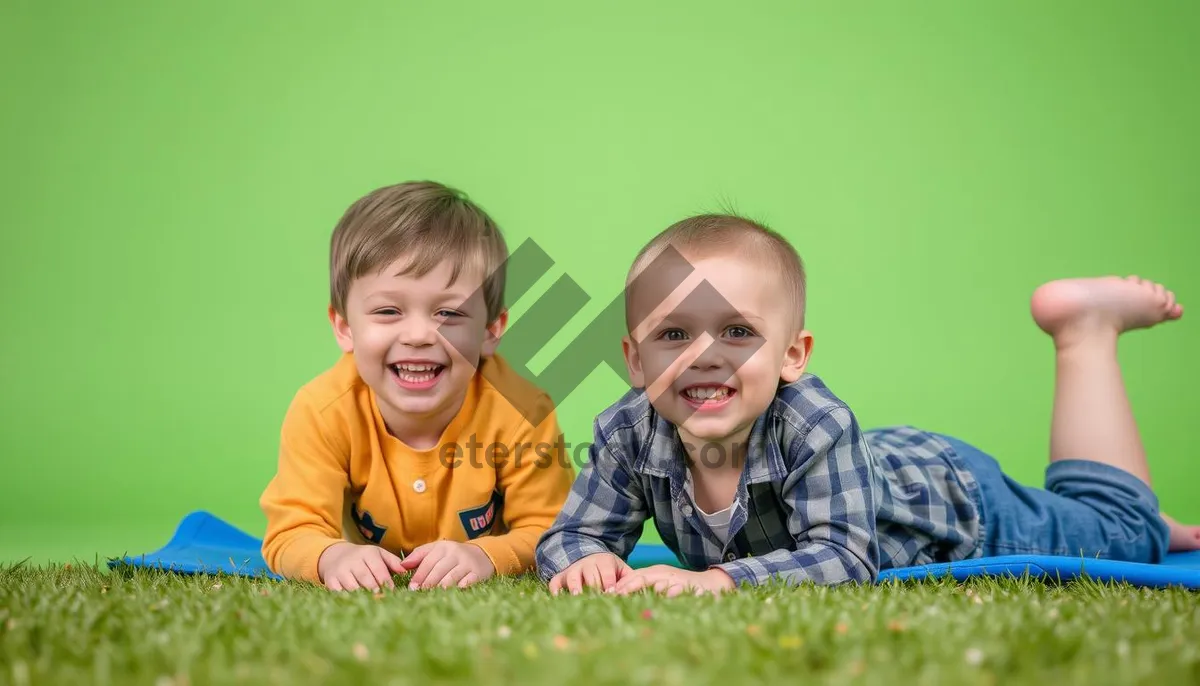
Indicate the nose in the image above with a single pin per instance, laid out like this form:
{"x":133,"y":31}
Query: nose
{"x":418,"y":332}
{"x":710,"y":354}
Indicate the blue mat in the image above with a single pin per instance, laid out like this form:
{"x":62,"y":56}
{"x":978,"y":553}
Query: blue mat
{"x":204,"y":543}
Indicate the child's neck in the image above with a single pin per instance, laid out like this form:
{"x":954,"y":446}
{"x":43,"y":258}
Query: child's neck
{"x":716,"y":455}
{"x":716,"y":469}
{"x":419,"y":432}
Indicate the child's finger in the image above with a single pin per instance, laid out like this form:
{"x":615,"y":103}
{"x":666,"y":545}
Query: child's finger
{"x":454,"y":576}
{"x":675,"y":589}
{"x":636,"y":584}
{"x":333,"y":584}
{"x":556,"y":583}
{"x":379,"y":570}
{"x":438,"y":570}
{"x":608,"y":576}
{"x":469,"y":579}
{"x":643,"y":577}
{"x":364,"y":576}
{"x":591,"y":577}
{"x":575,"y":580}
{"x":630,"y":583}
{"x":663,"y":584}
{"x":414,"y":560}
{"x":393,"y":561}
{"x":427,"y":560}
{"x":348,"y":582}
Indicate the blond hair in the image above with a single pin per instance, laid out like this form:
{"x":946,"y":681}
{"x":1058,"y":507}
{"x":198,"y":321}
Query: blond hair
{"x":425,"y":221}
{"x":706,"y":235}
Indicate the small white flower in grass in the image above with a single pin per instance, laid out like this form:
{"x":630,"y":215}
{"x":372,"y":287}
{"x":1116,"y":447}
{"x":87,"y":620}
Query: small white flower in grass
{"x":20,"y":672}
{"x":361,"y":652}
{"x":973,"y":656}
{"x":504,"y":632}
{"x":1123,"y":648}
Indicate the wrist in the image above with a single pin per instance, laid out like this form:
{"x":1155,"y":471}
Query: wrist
{"x":482,"y":557}
{"x":328,"y":556}
{"x":720,"y":578}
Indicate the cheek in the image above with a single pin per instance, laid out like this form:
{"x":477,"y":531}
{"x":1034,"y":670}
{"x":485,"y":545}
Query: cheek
{"x":372,"y":340}
{"x":657,"y":363}
{"x":760,"y":368}
{"x":464,"y":343}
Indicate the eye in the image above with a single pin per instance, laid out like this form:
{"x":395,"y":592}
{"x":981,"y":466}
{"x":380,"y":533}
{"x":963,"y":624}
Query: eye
{"x":739,"y":332}
{"x":449,"y":313}
{"x":387,"y":311}
{"x":673,"y":335}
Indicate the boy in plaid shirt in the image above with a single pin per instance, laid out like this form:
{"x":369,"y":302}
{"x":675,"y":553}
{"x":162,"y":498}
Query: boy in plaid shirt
{"x":753,"y":469}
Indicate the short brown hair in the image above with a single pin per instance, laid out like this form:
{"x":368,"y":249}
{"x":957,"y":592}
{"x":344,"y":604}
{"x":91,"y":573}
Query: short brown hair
{"x":426,"y":220}
{"x":706,"y":235}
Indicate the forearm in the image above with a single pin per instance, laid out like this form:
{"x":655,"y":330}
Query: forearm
{"x":292,"y":548}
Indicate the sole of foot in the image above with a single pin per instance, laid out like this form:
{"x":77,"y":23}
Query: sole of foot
{"x":1071,"y":308}
{"x":1183,"y":537}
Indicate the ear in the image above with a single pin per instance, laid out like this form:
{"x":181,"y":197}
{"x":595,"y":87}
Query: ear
{"x":341,"y":330}
{"x":633,"y":362}
{"x":495,"y":331}
{"x":795,"y":358}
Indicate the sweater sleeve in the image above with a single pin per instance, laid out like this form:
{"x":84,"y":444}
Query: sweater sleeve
{"x":534,"y":479}
{"x":303,"y":502}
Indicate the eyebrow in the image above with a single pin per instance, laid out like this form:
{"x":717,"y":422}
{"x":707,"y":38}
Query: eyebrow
{"x":458,"y":298}
{"x":724,"y":316}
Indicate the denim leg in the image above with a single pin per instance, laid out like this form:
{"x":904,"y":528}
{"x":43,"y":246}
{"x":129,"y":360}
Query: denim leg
{"x":1087,"y":509}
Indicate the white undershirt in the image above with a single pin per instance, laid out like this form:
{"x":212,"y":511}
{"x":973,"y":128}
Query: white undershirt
{"x":717,"y":521}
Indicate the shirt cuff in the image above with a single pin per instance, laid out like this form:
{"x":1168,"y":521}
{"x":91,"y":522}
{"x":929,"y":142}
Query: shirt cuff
{"x":555,"y":557}
{"x":744,"y":571}
{"x":501,"y":553}
{"x":300,"y":558}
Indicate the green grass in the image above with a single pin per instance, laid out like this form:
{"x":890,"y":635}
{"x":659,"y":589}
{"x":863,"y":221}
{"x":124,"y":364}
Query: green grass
{"x":81,"y":624}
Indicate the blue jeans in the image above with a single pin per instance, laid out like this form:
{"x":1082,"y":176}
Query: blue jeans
{"x":1087,"y":509}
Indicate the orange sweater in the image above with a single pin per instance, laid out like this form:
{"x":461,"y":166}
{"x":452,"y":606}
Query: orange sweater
{"x":342,"y":476}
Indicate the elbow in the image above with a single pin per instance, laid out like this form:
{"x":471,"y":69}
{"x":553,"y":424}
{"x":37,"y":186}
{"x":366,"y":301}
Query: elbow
{"x":862,"y":567}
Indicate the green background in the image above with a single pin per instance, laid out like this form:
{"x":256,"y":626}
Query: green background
{"x":172,"y":173}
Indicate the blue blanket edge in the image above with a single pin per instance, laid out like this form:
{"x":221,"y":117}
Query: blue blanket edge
{"x":205,"y":544}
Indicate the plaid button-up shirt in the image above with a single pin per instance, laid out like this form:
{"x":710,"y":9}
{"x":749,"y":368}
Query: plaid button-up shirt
{"x":819,"y":498}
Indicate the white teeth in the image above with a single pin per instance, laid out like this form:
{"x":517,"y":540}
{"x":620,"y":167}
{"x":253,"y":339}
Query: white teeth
{"x":417,"y":367}
{"x":416,"y":373}
{"x":707,"y":393}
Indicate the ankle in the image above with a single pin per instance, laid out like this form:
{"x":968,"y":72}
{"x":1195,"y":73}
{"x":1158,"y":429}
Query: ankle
{"x":1092,"y":334}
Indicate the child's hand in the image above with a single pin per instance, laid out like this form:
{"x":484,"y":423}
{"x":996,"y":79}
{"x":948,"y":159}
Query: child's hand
{"x":447,"y":564}
{"x":348,"y":566}
{"x":598,"y":570}
{"x":672,"y":581}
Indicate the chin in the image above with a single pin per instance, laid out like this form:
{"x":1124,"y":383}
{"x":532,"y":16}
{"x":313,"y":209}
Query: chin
{"x":707,"y":430}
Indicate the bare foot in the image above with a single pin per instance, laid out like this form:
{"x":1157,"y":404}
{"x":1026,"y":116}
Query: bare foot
{"x":1183,"y":537}
{"x":1074,"y":309}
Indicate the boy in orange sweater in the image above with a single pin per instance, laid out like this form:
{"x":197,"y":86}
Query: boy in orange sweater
{"x":413,"y":453}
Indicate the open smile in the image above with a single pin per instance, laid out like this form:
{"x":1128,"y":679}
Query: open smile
{"x":416,"y":376}
{"x":708,"y":397}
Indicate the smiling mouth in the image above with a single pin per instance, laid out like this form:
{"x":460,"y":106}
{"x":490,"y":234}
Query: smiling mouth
{"x":416,"y":375}
{"x":708,"y":396}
